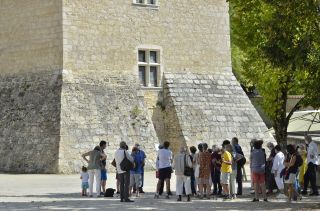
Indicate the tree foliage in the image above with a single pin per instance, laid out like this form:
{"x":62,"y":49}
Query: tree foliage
{"x":276,"y":48}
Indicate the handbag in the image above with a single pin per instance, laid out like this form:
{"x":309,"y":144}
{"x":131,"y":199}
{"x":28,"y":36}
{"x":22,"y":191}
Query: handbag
{"x":188,"y":171}
{"x":126,"y":164}
{"x":113,"y":163}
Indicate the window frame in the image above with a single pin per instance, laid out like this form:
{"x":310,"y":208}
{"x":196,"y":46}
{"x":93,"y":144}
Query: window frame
{"x":146,"y":4}
{"x":148,"y":64}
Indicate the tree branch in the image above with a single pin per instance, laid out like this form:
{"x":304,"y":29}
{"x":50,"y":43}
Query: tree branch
{"x":295,"y":108}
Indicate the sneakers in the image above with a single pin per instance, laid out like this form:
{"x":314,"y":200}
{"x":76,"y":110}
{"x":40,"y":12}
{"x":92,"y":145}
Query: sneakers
{"x":179,"y":198}
{"x":314,"y":194}
{"x":227,"y":197}
{"x":255,"y":200}
{"x":265,"y":200}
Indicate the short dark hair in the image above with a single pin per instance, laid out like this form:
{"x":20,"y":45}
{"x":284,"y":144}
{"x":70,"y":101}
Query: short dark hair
{"x":235,"y":139}
{"x":278,"y":148}
{"x":225,"y":142}
{"x":166,"y":144}
{"x":84,"y":169}
{"x":257,"y":144}
{"x":291,"y":149}
{"x":102,"y":143}
{"x":193,"y":149}
{"x":200,"y":147}
{"x":205,"y":146}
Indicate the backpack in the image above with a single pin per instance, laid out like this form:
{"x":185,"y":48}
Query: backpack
{"x":109,"y":192}
{"x":299,"y":160}
{"x":126,"y":164}
{"x":242,"y":161}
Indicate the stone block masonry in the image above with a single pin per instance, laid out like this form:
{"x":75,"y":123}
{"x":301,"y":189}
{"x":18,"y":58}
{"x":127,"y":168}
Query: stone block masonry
{"x":102,"y":107}
{"x":30,"y":122}
{"x":209,"y":108}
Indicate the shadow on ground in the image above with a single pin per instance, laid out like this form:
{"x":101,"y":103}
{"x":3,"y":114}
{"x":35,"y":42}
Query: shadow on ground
{"x":73,"y":201}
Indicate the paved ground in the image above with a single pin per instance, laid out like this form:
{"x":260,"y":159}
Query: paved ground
{"x":62,"y":192}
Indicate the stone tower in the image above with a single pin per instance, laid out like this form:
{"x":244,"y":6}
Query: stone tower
{"x":75,"y":72}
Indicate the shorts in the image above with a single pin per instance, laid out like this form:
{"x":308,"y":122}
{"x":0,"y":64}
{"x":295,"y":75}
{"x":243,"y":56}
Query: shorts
{"x":258,"y":178}
{"x":225,"y":178}
{"x":84,"y":185}
{"x":103,"y":174}
{"x":135,"y":180}
{"x":291,"y":179}
{"x":165,"y":173}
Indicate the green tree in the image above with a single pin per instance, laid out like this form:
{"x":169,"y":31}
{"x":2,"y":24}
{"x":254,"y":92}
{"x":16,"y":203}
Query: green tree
{"x":275,"y":48}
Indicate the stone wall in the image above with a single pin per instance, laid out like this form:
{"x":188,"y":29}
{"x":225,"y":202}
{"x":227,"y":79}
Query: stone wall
{"x":30,"y":36}
{"x":30,"y":122}
{"x":102,"y":107}
{"x":210,"y":108}
{"x":104,"y":35}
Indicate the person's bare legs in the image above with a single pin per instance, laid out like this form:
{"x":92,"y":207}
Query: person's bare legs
{"x":225,"y":189}
{"x":103,"y":186}
{"x":201,"y":187}
{"x":290,"y":190}
{"x":263,"y":190}
{"x":118,"y":186}
{"x":256,"y":190}
{"x":159,"y":185}
{"x":168,"y":186}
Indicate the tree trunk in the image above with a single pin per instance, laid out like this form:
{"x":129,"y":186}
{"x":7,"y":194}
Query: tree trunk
{"x":280,"y":123}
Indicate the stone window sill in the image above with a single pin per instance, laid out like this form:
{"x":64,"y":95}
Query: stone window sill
{"x":151,"y":6}
{"x":151,"y":88}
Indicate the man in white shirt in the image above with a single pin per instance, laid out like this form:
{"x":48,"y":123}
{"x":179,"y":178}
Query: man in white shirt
{"x":278,"y":166}
{"x":124,"y":176}
{"x":313,"y":162}
{"x":165,"y":168}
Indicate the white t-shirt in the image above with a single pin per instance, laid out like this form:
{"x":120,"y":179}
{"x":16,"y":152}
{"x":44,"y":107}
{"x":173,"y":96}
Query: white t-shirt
{"x":119,"y":156}
{"x":165,"y":158}
{"x":278,"y":163}
{"x":84,"y":176}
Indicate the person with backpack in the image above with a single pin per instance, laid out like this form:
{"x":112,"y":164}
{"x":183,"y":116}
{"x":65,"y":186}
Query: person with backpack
{"x":292,"y":164}
{"x":135,"y":173}
{"x":124,"y":162}
{"x":181,"y":163}
{"x":240,"y":163}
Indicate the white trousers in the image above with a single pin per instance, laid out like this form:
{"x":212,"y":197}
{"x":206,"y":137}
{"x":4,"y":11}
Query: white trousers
{"x":233,"y":177}
{"x":180,"y":181}
{"x":279,"y":182}
{"x":97,"y":174}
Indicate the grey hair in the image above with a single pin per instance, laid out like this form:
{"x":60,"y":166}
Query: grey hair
{"x":270,"y":144}
{"x":183,"y":149}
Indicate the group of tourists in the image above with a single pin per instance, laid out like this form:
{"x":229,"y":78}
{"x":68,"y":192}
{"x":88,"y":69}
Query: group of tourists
{"x":204,"y":172}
